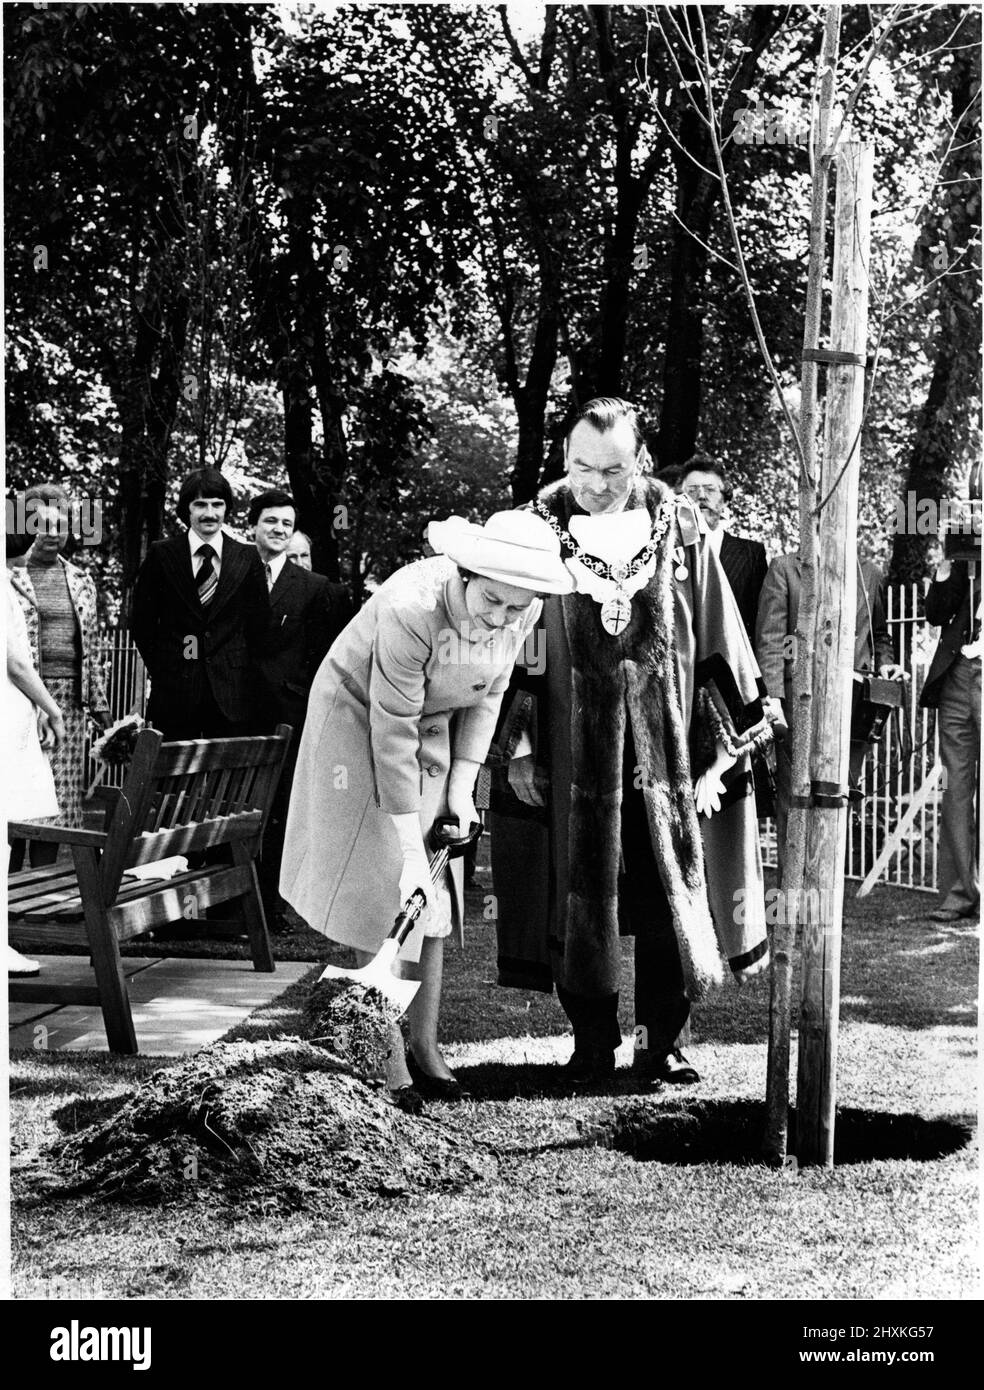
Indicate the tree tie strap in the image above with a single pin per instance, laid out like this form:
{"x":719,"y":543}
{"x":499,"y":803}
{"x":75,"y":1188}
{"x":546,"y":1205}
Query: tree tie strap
{"x":830,"y":357}
{"x":829,"y":795}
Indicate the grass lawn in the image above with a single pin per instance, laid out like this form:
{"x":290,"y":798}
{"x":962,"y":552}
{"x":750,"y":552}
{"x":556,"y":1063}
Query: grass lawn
{"x":568,"y":1218}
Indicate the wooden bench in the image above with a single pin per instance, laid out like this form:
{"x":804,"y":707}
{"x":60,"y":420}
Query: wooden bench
{"x":177,"y":798}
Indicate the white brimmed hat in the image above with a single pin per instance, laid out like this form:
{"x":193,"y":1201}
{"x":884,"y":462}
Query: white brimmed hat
{"x":515,"y":547}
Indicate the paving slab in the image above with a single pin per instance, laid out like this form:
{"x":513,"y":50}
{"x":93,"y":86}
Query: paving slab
{"x":178,"y":1006}
{"x":63,"y":970}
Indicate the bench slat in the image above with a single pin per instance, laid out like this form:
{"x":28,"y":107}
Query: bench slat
{"x":186,"y":839}
{"x":53,"y":901}
{"x":29,"y":886}
{"x":27,"y":991}
{"x":29,"y":937}
{"x":54,"y":834}
{"x":217,"y":753}
{"x":220,"y":805}
{"x":131,"y":890}
{"x":169,"y":903}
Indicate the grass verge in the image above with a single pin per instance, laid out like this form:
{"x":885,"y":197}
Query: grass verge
{"x":568,"y":1218}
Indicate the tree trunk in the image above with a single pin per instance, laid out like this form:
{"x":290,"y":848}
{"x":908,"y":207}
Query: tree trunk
{"x":531,"y":400}
{"x":682,"y":382}
{"x":617,"y":290}
{"x":950,"y":404}
{"x":147,"y":406}
{"x":697,"y":196}
{"x":315,"y":481}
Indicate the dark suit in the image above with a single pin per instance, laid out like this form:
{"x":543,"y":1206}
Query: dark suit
{"x":201,"y":660}
{"x":307,"y":614}
{"x":953,"y":687}
{"x":947,"y":607}
{"x":745,"y":565}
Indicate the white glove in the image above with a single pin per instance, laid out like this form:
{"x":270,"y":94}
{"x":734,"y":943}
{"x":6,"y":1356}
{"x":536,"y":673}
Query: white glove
{"x":416,"y":864}
{"x":710,"y":788}
{"x":435,"y":918}
{"x":461,"y":794}
{"x":757,"y":967}
{"x":776,"y":717}
{"x":415,"y":874}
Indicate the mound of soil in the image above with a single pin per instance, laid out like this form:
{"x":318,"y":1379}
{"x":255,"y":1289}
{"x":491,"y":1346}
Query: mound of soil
{"x":351,"y":1021}
{"x":273,"y":1125}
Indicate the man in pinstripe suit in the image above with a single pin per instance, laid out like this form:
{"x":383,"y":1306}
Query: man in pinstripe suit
{"x":200,"y":618}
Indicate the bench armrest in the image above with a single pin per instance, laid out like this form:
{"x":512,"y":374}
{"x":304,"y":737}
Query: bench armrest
{"x":55,"y":834}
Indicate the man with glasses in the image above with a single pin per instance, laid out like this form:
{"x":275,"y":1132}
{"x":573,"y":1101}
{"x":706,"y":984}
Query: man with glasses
{"x":744,"y":562}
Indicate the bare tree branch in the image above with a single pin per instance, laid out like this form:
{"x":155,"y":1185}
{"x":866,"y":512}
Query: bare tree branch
{"x":514,"y":47}
{"x":709,"y":249}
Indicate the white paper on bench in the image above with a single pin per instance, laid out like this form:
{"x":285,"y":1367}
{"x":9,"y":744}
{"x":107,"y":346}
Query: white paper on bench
{"x":160,"y":868}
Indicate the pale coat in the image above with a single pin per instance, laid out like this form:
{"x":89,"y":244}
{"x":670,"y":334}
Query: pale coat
{"x":401,"y":693}
{"x":82,"y":591}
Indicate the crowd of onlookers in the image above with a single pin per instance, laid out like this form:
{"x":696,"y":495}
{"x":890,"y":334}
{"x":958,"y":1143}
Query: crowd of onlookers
{"x":232,"y":635}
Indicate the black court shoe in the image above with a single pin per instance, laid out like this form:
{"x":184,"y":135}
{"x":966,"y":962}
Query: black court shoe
{"x":434,"y":1087}
{"x":408,"y":1099}
{"x":590,"y":1064}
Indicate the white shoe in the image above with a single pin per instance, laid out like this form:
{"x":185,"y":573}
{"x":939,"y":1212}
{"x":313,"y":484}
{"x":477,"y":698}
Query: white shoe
{"x":20,"y":965}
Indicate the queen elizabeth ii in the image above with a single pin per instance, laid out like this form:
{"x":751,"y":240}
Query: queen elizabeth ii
{"x":400,"y":719}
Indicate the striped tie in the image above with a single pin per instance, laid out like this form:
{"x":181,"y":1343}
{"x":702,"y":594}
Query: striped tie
{"x":208,"y":580}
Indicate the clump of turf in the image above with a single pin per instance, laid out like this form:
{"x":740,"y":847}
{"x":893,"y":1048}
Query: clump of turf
{"x":353,"y":1022}
{"x":261,"y":1126}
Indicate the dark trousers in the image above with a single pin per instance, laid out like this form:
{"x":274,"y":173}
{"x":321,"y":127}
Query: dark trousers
{"x":205,"y":721}
{"x":661,"y":1005}
{"x":268,"y":864}
{"x":959,"y":724}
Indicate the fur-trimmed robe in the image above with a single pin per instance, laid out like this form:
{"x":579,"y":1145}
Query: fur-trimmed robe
{"x":683,"y":675}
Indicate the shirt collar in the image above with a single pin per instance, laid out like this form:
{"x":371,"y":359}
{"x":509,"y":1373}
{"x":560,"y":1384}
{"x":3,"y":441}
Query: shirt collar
{"x":714,"y":539}
{"x":276,"y":565}
{"x":195,"y":543}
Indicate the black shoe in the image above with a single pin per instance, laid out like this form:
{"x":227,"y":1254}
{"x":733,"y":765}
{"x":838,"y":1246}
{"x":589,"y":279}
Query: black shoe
{"x":440,"y":1088}
{"x":434,"y":1087}
{"x":590,"y":1064}
{"x":648,"y":1066}
{"x":675,"y":1070}
{"x":408,"y":1099}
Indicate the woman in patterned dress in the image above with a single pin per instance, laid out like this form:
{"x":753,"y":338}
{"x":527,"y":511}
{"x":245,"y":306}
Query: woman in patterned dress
{"x":30,"y":787}
{"x":59,"y":604}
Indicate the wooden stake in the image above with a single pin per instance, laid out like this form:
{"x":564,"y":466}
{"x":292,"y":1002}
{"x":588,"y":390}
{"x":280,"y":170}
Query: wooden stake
{"x":784,"y":933}
{"x":826,"y":838}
